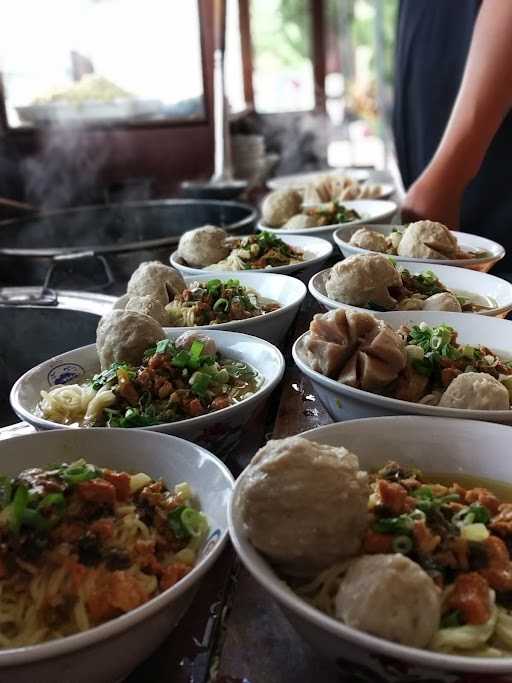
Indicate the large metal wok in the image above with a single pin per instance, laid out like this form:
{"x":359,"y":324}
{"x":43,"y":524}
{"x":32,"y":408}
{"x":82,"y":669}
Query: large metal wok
{"x":36,"y":325}
{"x":98,"y":247}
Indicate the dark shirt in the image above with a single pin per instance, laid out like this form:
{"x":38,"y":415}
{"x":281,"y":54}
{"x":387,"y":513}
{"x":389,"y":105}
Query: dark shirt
{"x":433,"y":40}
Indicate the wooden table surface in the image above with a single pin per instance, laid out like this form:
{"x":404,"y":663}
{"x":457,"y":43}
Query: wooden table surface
{"x":234,"y":632}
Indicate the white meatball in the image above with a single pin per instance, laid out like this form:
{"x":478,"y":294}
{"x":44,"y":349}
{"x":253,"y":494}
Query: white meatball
{"x":304,"y":504}
{"x":203,"y":246}
{"x":124,"y":336}
{"x":428,"y":239}
{"x":475,"y":391}
{"x":444,"y":301}
{"x":362,"y":279}
{"x":120,"y":303}
{"x":279,"y":206}
{"x":392,"y":597}
{"x":148,"y":306}
{"x":369,"y":239}
{"x":299,"y":222}
{"x":161,"y":283}
{"x":185,"y":341}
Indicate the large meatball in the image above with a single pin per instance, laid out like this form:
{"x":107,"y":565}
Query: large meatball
{"x":203,"y":246}
{"x":444,"y":301}
{"x":279,"y":206}
{"x":362,"y":279}
{"x":124,"y":336}
{"x":300,"y":221}
{"x":161,"y":283}
{"x":355,"y":348}
{"x":475,"y":391}
{"x":392,"y":597}
{"x":304,"y":504}
{"x":148,"y":306}
{"x":369,"y":239}
{"x":428,"y":239}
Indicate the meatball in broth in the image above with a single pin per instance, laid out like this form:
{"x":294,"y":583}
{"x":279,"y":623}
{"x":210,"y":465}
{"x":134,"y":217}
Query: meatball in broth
{"x":392,"y":597}
{"x":290,"y":476}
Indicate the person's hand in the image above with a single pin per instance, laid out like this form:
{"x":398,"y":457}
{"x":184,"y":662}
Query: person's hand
{"x":430,"y":198}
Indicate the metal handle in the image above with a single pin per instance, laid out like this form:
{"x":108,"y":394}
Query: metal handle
{"x":28,"y":296}
{"x":79,"y":256}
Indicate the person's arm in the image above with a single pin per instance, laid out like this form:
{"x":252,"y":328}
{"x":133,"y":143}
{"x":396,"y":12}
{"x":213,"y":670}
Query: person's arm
{"x":484,"y":99}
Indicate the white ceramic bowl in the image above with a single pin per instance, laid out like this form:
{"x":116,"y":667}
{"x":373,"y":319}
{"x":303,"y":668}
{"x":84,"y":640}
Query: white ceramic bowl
{"x":110,"y":651}
{"x":315,"y":252}
{"x":434,"y":445}
{"x":218,"y":430}
{"x":287,"y":291}
{"x":346,"y":403}
{"x":465,"y":239}
{"x":371,"y":210}
{"x":297,"y":181}
{"x":458,"y":280}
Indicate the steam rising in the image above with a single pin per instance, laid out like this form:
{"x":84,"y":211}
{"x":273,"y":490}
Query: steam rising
{"x":67,"y":169}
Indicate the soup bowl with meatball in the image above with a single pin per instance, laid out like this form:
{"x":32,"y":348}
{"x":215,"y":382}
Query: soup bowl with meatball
{"x":366,"y":534}
{"x":434,"y":363}
{"x":423,"y":241}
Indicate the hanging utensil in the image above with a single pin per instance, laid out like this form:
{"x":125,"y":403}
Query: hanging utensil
{"x":222,"y":184}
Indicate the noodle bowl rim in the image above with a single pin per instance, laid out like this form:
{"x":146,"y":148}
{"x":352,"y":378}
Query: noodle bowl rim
{"x":280,"y":590}
{"x":80,"y":641}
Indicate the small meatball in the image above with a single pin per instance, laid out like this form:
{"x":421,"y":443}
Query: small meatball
{"x":148,"y":306}
{"x":279,"y":206}
{"x":362,"y":279}
{"x":444,"y":301}
{"x":203,"y":246}
{"x":161,"y":283}
{"x":299,"y":222}
{"x":185,"y":341}
{"x":428,"y":239}
{"x":304,"y":504}
{"x":475,"y":391}
{"x":390,"y":596}
{"x":124,"y":336}
{"x":369,"y":239}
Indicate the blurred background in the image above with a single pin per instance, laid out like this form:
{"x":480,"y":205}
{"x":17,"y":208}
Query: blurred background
{"x":111,"y":100}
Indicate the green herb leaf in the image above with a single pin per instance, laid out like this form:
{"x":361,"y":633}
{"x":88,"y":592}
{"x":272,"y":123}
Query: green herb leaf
{"x":75,"y":473}
{"x":194,"y":522}
{"x":176,"y":523}
{"x":19,"y":504}
{"x":163,"y":346}
{"x":451,"y":619}
{"x":393,"y":525}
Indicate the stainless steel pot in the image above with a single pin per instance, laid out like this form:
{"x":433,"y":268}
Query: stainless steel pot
{"x":37,"y":324}
{"x":98,"y":247}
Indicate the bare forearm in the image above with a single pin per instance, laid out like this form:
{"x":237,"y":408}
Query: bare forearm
{"x":484,"y":98}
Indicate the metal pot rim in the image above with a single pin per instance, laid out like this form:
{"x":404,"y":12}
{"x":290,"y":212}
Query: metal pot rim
{"x":129,"y":246}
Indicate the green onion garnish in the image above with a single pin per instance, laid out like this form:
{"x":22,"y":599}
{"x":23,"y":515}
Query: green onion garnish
{"x":402,"y":544}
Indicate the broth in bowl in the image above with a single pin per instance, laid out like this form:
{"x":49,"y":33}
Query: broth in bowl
{"x":332,"y":506}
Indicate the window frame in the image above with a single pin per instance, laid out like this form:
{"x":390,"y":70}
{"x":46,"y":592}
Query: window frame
{"x":205,"y":42}
{"x":317,"y":9}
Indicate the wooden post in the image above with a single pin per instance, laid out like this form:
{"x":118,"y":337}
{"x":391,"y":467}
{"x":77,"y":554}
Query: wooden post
{"x":318,"y":52}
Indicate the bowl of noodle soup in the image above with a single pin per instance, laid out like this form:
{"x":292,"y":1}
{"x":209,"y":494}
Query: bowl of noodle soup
{"x":110,"y":650}
{"x":70,"y":375}
{"x":475,"y":453}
